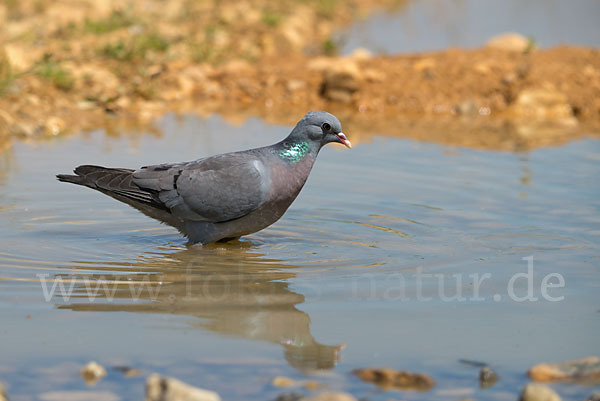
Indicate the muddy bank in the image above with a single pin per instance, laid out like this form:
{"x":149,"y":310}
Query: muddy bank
{"x":100,"y":65}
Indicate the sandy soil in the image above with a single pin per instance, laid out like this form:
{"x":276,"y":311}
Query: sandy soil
{"x":68,"y":66}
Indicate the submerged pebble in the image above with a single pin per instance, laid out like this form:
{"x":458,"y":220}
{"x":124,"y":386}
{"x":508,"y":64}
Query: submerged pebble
{"x":538,"y":392}
{"x":587,"y":370}
{"x":329,"y":396}
{"x":487,"y":377}
{"x":388,"y":379}
{"x":3,"y":396}
{"x":92,"y":373}
{"x":159,"y":388}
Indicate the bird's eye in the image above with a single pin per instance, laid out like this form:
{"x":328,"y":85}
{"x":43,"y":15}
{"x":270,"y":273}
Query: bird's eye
{"x":326,"y":127}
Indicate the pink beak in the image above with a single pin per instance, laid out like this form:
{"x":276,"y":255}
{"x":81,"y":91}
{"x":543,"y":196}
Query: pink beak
{"x":344,"y":140}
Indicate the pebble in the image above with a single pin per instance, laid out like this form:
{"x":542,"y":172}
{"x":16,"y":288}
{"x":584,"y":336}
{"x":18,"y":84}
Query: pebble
{"x":329,"y":396}
{"x":3,"y":396}
{"x":396,"y":379}
{"x":509,"y":42}
{"x":487,"y":377}
{"x":361,"y":54}
{"x":340,"y":81}
{"x":79,"y":396}
{"x":542,"y":103}
{"x":538,"y":392}
{"x":594,"y":397}
{"x":54,"y":126}
{"x":92,"y":372}
{"x":159,"y":388}
{"x":282,"y":381}
{"x":582,"y":369}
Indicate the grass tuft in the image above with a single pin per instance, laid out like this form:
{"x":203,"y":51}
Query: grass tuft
{"x":51,"y":70}
{"x":136,"y":47}
{"x":116,"y":20}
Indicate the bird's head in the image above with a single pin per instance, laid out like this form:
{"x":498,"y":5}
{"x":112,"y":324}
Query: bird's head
{"x":320,"y":127}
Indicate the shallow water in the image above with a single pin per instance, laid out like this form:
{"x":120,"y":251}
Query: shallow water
{"x":427,"y":25}
{"x":360,"y":272}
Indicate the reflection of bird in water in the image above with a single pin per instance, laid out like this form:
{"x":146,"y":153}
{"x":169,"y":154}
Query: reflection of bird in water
{"x":233,"y":291}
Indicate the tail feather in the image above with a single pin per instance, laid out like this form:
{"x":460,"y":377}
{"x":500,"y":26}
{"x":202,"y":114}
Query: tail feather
{"x":115,"y":182}
{"x":118,"y":184}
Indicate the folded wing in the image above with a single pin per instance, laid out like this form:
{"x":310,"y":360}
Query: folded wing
{"x":215,"y":189}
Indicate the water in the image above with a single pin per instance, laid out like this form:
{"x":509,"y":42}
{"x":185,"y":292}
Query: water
{"x":349,"y":278}
{"x":428,"y":25}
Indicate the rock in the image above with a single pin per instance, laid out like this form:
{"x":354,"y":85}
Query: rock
{"x":427,"y":63}
{"x":79,"y":396}
{"x":467,"y":108}
{"x":295,"y":84}
{"x":312,"y":385}
{"x":237,"y":67}
{"x":92,"y":372}
{"x":587,"y":369}
{"x":487,"y":377}
{"x":3,"y":396}
{"x":329,"y":396}
{"x":282,"y":381}
{"x":319,"y":64}
{"x":361,"y":54}
{"x":289,"y":397}
{"x":340,"y":80}
{"x":510,"y":42}
{"x":54,"y":126}
{"x":594,"y":397}
{"x":538,"y":392}
{"x":160,"y":388}
{"x":127,"y":371}
{"x":543,"y":104}
{"x":372,"y":75}
{"x":396,"y":379}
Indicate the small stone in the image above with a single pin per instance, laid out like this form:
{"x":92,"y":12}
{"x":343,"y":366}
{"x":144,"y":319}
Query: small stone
{"x":372,"y":75}
{"x":289,"y":397}
{"x":236,"y":67}
{"x":3,"y":396}
{"x":160,"y":388}
{"x":92,"y":372}
{"x":538,"y":392}
{"x":282,"y":381}
{"x":594,"y":397}
{"x":294,"y":85}
{"x":79,"y":396}
{"x":424,"y":64}
{"x":312,"y":385}
{"x":127,"y":371}
{"x":587,"y":369}
{"x":330,"y":396}
{"x":361,"y":54}
{"x":54,"y":126}
{"x":396,"y":379}
{"x":467,"y":108}
{"x":542,"y":103}
{"x":509,"y":42}
{"x":487,"y":377}
{"x":340,"y":81}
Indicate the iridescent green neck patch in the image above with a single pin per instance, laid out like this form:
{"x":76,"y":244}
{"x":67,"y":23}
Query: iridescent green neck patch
{"x":295,"y":152}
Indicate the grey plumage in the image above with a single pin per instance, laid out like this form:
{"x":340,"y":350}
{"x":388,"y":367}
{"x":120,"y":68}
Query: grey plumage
{"x":224,"y":196}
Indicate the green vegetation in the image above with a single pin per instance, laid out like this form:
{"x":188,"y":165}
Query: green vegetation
{"x":51,"y":70}
{"x":325,"y":8}
{"x":116,"y":20}
{"x":205,"y":51}
{"x":6,"y":75}
{"x":136,"y":47}
{"x":330,"y":47}
{"x":531,"y":44}
{"x":271,"y":18}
